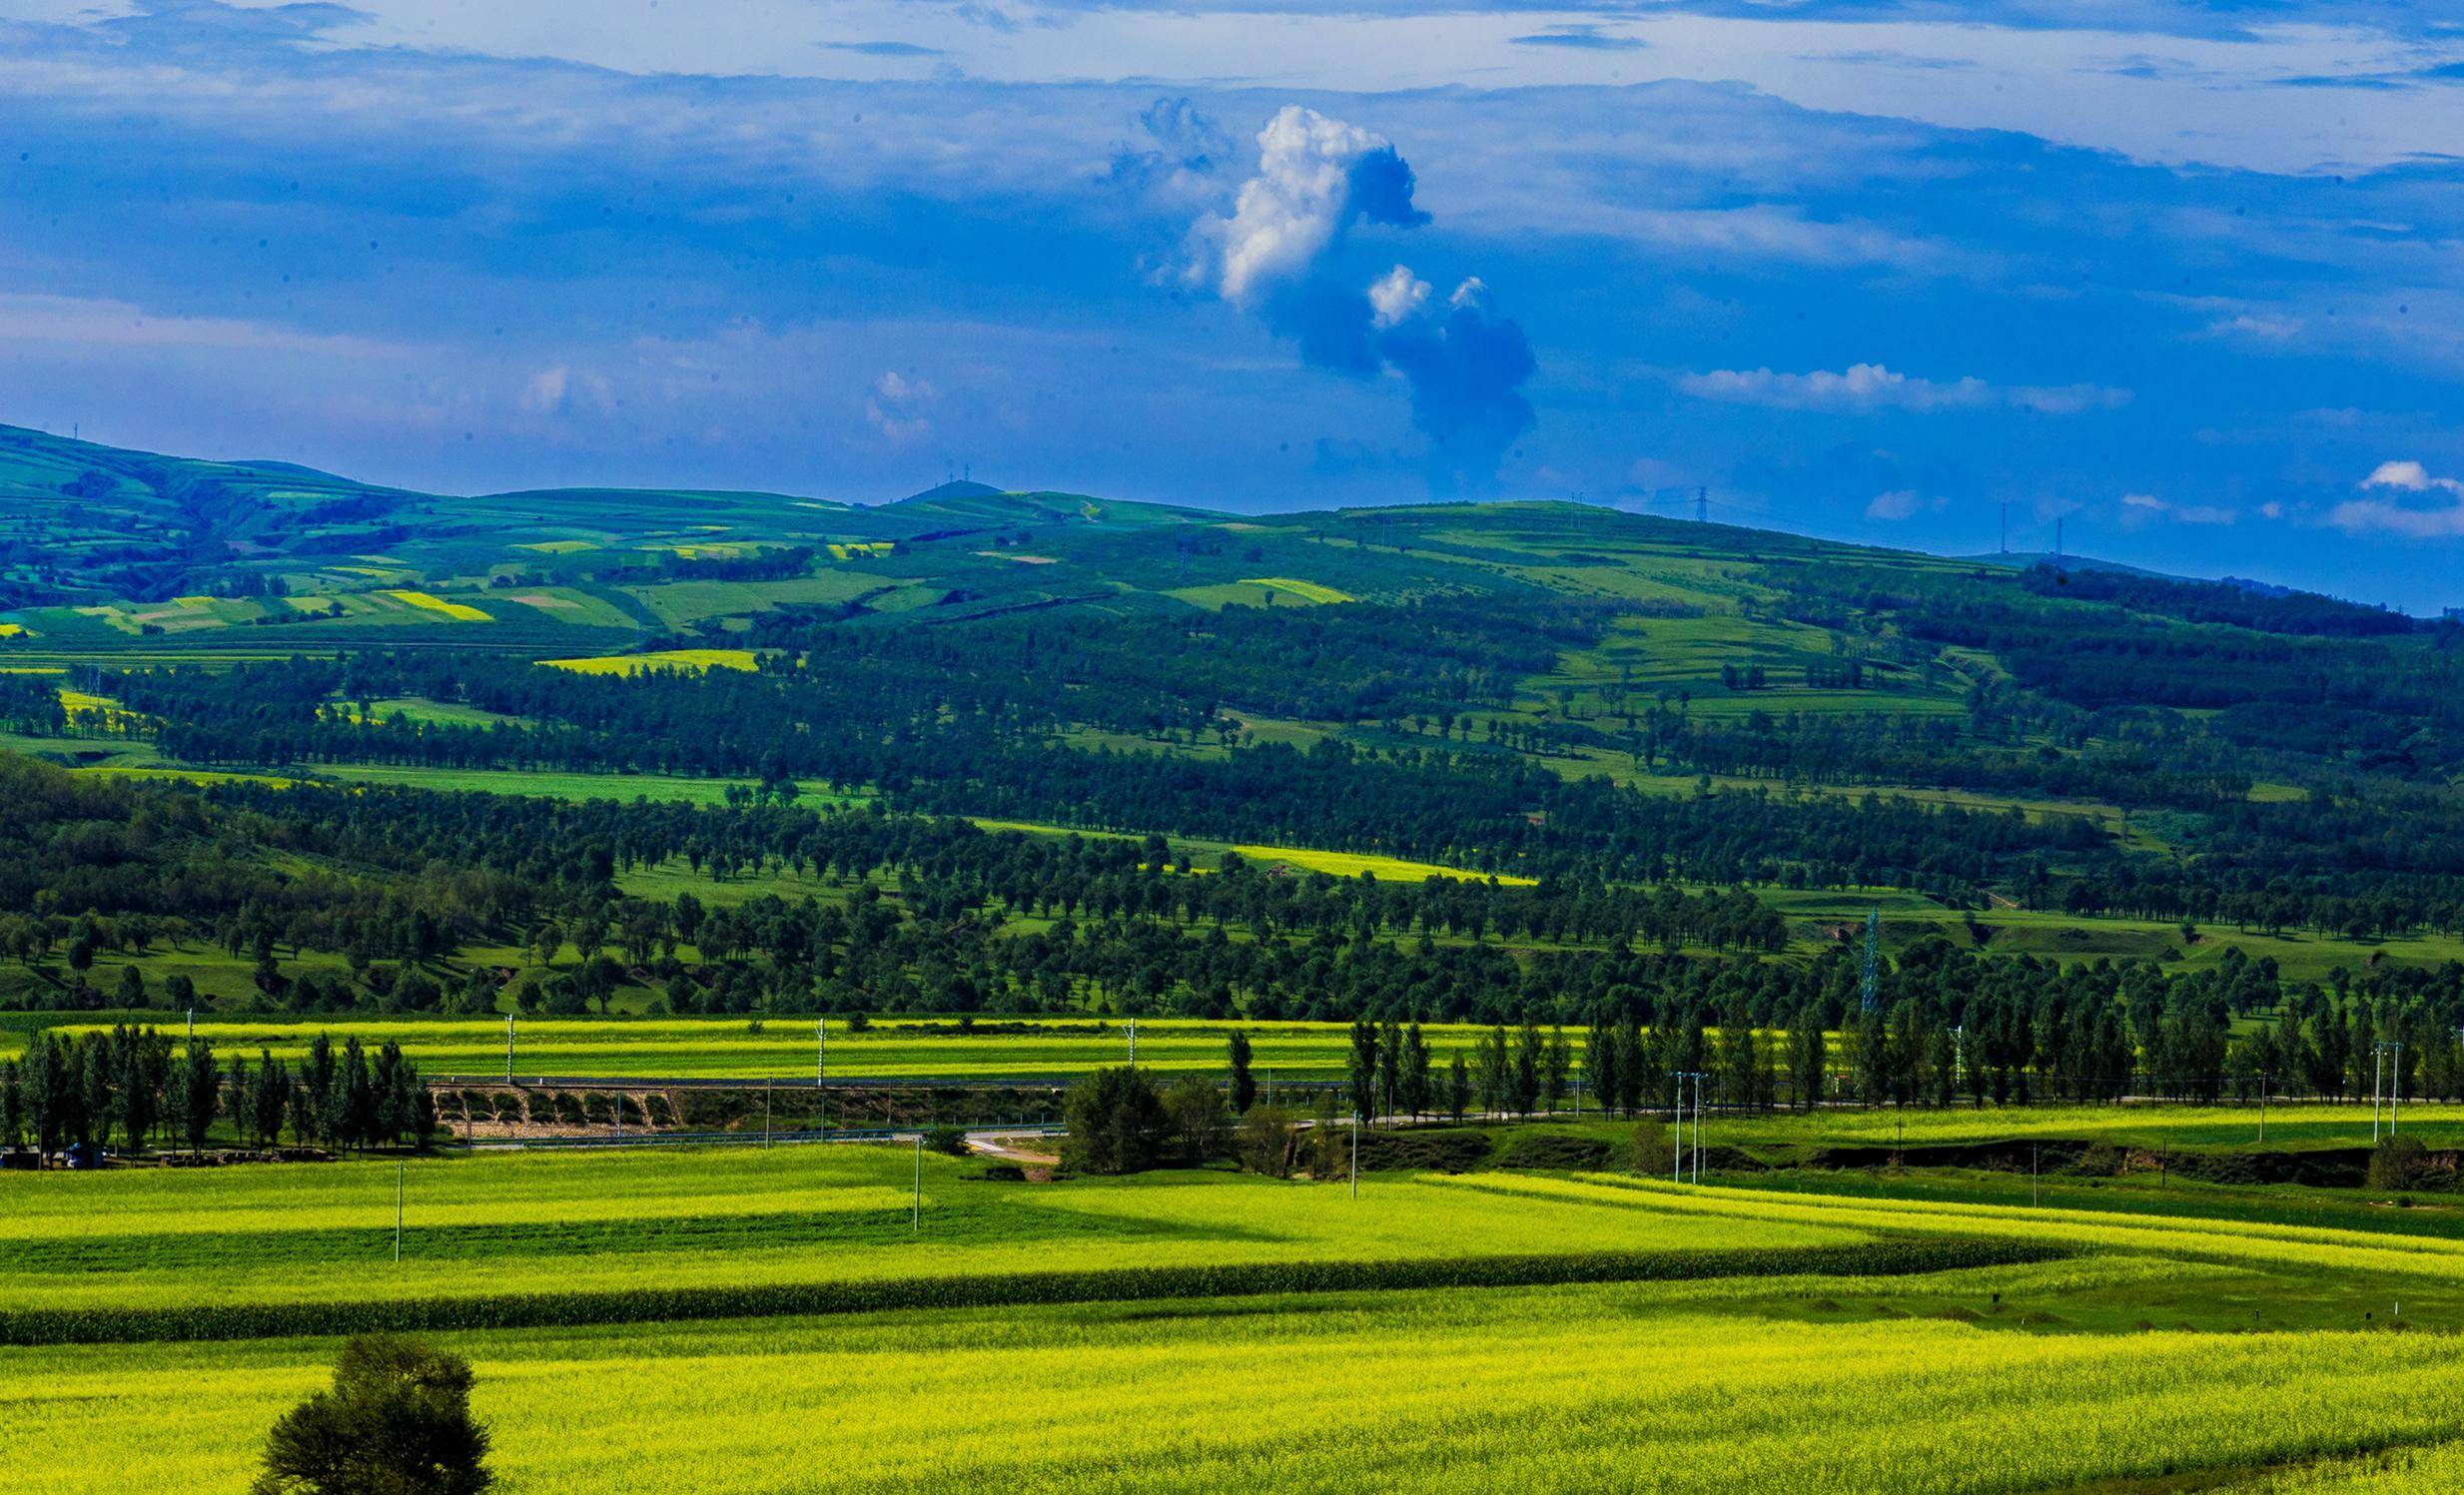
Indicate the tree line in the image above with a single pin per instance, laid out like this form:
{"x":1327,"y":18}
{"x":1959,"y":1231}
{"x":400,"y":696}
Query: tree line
{"x":122,"y":1088}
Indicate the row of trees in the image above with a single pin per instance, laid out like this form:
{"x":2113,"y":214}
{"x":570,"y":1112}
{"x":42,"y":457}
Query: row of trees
{"x":123,"y":1088}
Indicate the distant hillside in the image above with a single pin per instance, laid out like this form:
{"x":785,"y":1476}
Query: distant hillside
{"x":2022,"y":560}
{"x":1549,"y":690}
{"x":107,"y":551}
{"x":955,"y":489}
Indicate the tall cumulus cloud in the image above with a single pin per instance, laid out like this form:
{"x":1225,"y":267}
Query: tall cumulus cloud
{"x":1282,"y":253}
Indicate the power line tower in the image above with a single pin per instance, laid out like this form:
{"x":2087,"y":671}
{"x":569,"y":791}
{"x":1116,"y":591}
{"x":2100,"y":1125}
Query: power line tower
{"x":1702,"y":505}
{"x":2057,"y":524}
{"x":1873,"y":941}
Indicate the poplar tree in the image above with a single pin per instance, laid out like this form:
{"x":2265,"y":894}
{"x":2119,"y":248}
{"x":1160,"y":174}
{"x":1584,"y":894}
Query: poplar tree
{"x":199,"y":1092}
{"x":1364,"y":1069}
{"x":1243,"y":1086}
{"x":1600,"y":1065}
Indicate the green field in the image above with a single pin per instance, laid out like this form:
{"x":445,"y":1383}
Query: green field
{"x":2141,"y":1355}
{"x":543,"y":1225}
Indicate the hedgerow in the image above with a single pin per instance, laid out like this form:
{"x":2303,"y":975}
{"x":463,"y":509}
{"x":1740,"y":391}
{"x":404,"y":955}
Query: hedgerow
{"x":216,"y":1321}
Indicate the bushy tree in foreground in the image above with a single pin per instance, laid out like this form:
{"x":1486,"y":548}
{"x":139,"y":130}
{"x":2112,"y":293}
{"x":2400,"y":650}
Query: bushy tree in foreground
{"x":397,"y":1422}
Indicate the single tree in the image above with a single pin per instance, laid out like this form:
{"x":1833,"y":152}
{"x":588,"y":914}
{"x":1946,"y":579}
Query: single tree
{"x":200,"y":1087}
{"x":1244,"y":1084}
{"x":1195,"y":1121}
{"x":1116,"y":1123}
{"x":1364,"y":1070}
{"x":1267,"y":1141}
{"x":12,"y":1108}
{"x":398,"y":1421}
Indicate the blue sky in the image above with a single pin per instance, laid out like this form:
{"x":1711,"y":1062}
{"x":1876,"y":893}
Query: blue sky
{"x":2187,"y":277}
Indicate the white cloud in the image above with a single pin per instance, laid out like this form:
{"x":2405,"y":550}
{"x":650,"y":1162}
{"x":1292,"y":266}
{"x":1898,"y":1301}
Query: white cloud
{"x":545,"y":392}
{"x":898,"y":404}
{"x":561,"y":391}
{"x":2435,"y":509}
{"x":90,"y":323}
{"x":1898,"y":503}
{"x":1301,"y":197}
{"x":2411,"y":478}
{"x":2138,"y":509}
{"x":1873,"y":386}
{"x":1398,"y":296}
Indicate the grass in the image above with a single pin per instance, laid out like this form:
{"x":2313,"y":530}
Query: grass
{"x":2293,"y":1125}
{"x":679,"y":603}
{"x":1672,"y":1388}
{"x":2136,"y":1367}
{"x":427,"y":712}
{"x":517,"y":1224}
{"x":1306,"y":591}
{"x":2402,"y":1265}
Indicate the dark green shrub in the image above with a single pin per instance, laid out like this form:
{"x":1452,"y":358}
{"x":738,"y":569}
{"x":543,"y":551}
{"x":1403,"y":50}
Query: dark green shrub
{"x":1116,"y":1123}
{"x":1440,"y":1149}
{"x":1553,"y":1149}
{"x":1267,"y":1142}
{"x":1193,"y":1118}
{"x":2397,"y":1163}
{"x":1649,"y":1151}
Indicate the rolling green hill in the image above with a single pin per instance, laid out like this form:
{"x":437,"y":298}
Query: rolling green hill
{"x":2081,"y":768}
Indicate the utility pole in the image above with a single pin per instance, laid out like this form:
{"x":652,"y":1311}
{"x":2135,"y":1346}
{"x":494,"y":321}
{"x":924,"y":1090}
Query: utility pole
{"x":1355,"y":1155}
{"x":508,"y":1048}
{"x":2005,"y":526}
{"x":1133,"y":1043}
{"x":821,"y":1071}
{"x":2057,"y":524}
{"x":919,"y":1224}
{"x":1678,"y":1170}
{"x":2265,"y":1081}
{"x":765,"y":1113}
{"x":1698,"y":1127}
{"x":1676,"y":1147}
{"x":2378,"y":1083}
{"x":2391,"y":1064}
{"x":400,"y":1170}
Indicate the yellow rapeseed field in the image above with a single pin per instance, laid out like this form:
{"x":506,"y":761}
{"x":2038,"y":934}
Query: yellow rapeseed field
{"x":460,"y":612}
{"x":668,"y":659}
